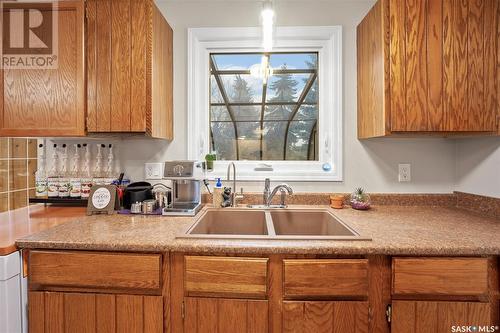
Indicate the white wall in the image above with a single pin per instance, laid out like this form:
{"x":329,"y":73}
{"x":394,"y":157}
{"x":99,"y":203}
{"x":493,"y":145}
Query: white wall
{"x":438,"y":165}
{"x":478,"y":166}
{"x":371,"y":164}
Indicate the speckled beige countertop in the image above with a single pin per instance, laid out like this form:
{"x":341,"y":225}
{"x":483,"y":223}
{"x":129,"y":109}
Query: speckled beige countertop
{"x":395,"y":230}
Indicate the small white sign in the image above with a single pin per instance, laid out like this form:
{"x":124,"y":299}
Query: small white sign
{"x":101,"y":198}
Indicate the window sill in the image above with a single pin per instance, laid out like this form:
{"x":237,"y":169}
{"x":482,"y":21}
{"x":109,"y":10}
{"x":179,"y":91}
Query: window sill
{"x":282,"y":171}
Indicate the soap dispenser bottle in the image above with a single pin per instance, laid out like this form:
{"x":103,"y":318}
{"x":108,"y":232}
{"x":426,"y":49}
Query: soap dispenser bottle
{"x":217,"y":198}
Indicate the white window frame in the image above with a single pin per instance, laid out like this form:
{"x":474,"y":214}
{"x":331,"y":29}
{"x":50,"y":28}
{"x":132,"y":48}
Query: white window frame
{"x":326,"y":40}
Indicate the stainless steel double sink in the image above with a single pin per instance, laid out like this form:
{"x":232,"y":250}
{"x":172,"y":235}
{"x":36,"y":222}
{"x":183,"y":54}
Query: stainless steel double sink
{"x":289,"y":223}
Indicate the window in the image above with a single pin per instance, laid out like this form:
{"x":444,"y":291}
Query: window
{"x":264,"y":106}
{"x":276,"y":114}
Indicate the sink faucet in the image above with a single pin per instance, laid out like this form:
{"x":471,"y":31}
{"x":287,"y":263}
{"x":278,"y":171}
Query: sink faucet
{"x":267,"y":190}
{"x":234,"y":197}
{"x":283,"y":188}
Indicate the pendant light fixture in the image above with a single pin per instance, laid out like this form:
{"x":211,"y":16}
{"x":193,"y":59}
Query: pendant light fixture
{"x":267,"y":18}
{"x":264,"y":69}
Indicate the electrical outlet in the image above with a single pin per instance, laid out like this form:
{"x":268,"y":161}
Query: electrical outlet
{"x":153,"y":170}
{"x":404,"y":172}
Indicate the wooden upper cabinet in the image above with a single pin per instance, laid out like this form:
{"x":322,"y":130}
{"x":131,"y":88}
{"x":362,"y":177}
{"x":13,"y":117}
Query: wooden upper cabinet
{"x":129,"y":75}
{"x":43,"y":100}
{"x":428,"y":67}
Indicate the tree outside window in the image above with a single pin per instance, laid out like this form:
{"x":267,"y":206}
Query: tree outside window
{"x":257,"y":118}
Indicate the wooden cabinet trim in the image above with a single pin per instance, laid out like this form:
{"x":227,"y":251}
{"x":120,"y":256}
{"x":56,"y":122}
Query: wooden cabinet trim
{"x":440,"y":276}
{"x":317,"y":278}
{"x":225,"y":276}
{"x":94,"y":271}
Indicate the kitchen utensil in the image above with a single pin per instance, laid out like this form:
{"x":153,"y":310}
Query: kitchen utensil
{"x":148,"y":206}
{"x":136,"y":208}
{"x":137,"y":192}
{"x":162,"y":195}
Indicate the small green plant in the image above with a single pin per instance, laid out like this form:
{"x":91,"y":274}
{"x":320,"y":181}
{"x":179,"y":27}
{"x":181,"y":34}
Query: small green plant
{"x":209,"y":159}
{"x":360,"y":199}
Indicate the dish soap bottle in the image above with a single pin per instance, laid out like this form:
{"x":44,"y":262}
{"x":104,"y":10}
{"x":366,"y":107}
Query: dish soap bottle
{"x":41,"y":174}
{"x":53,"y":176}
{"x":217,"y":194}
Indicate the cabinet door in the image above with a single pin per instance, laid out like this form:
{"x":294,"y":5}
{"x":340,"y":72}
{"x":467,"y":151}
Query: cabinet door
{"x":205,"y":315}
{"x":39,"y":101}
{"x":469,"y":66}
{"x":328,"y":316}
{"x":53,"y":312}
{"x":439,"y":317}
{"x":118,"y":62}
{"x":443,"y":65}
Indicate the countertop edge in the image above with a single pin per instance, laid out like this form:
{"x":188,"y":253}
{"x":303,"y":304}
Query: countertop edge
{"x":256,"y":250}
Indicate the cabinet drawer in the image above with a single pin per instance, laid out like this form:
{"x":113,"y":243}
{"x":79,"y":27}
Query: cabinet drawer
{"x":225,"y":276}
{"x":440,"y":276}
{"x":94,"y":270}
{"x":325,"y":278}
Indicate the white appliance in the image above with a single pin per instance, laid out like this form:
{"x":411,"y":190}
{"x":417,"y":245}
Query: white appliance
{"x":13,"y":294}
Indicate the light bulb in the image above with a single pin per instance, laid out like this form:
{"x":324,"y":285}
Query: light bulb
{"x":267,"y":15}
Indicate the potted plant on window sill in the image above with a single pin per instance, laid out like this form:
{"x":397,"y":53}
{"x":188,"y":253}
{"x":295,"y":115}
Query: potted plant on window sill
{"x":209,"y":160}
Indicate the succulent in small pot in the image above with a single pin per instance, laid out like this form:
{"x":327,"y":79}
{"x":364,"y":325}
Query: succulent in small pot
{"x":360,"y":199}
{"x":209,"y":159}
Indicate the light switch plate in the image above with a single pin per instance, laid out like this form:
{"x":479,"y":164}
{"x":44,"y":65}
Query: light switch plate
{"x":404,"y":174}
{"x":153,"y":170}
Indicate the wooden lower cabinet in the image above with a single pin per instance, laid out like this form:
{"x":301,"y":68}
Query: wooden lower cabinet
{"x":438,"y":317}
{"x":325,"y":316}
{"x":55,"y":312}
{"x":219,"y":315}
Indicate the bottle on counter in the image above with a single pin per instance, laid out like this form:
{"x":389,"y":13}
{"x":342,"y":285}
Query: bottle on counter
{"x":64,"y":185}
{"x":86,"y":177}
{"x":53,"y":175}
{"x":97,"y":174}
{"x":217,"y":194}
{"x":41,"y":174}
{"x":109,"y":174}
{"x":75,"y":183}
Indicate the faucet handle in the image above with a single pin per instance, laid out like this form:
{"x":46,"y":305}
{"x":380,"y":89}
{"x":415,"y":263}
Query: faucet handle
{"x":283,"y":193}
{"x":237,"y":196}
